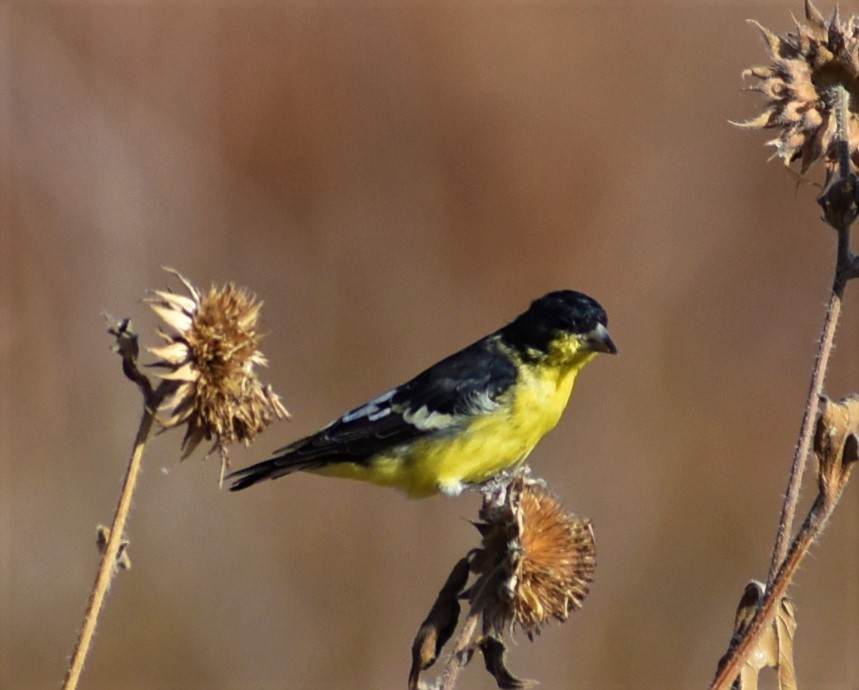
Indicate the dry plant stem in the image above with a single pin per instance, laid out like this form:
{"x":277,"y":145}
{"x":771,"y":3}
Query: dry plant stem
{"x":843,"y":269}
{"x":107,"y":567}
{"x":821,"y":362}
{"x":458,"y":660}
{"x":785,"y":562}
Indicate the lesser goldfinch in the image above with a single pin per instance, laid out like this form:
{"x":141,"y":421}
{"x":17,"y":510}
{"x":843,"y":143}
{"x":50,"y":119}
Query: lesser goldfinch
{"x":462,"y":421}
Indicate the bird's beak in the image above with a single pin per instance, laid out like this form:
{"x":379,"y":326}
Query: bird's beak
{"x":599,"y":340}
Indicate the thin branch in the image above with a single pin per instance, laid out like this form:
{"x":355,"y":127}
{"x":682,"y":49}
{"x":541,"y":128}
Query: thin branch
{"x":818,"y":374}
{"x":839,"y":205}
{"x":126,"y":345}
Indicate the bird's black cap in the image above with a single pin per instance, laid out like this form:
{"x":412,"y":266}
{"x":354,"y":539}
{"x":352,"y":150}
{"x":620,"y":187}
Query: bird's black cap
{"x":565,"y":311}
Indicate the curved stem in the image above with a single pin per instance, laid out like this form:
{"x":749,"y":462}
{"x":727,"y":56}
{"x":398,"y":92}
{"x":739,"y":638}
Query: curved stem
{"x":838,"y":198}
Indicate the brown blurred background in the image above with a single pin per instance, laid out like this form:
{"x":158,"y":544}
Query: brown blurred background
{"x":395,"y":180}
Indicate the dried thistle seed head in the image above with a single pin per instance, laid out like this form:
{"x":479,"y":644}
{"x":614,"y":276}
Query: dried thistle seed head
{"x":536,"y":561}
{"x":799,"y":88}
{"x":209,"y":359}
{"x":557,"y":563}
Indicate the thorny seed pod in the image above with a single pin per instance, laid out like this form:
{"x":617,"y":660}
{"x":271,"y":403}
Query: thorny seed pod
{"x":209,"y":360}
{"x":536,"y":562}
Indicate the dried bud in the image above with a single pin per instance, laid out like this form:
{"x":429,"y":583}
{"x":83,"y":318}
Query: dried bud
{"x":799,"y":87}
{"x":210,"y":358}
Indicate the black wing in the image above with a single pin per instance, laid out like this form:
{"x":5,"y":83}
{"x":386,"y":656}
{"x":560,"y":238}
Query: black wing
{"x":439,"y":400}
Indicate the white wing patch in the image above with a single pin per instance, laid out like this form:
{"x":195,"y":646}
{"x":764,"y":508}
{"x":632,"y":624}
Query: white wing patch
{"x":373,"y":410}
{"x":423,"y":419}
{"x":476,"y":402}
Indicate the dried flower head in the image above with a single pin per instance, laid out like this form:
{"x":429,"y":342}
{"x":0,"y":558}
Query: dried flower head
{"x":536,"y":561}
{"x":210,"y":358}
{"x":800,"y":87}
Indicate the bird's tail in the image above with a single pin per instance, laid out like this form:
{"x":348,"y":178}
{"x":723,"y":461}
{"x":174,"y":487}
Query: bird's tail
{"x":270,"y":469}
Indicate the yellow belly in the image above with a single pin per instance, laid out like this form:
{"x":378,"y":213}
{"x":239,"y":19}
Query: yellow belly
{"x":490,"y":444}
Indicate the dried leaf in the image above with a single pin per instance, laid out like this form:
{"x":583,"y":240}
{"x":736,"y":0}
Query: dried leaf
{"x":495,"y":658}
{"x":774,"y":648}
{"x":439,"y":624}
{"x":835,"y":444}
{"x":785,"y":624}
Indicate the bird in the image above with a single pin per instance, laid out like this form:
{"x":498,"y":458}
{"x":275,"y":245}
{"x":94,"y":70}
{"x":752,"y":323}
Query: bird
{"x":464,"y":420}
